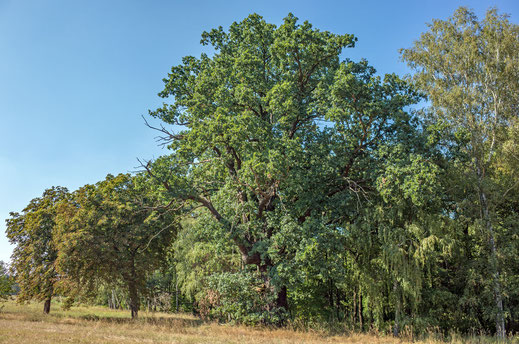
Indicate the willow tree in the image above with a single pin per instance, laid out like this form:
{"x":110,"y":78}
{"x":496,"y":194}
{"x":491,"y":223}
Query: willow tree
{"x":277,"y":136}
{"x":470,"y":72}
{"x":35,"y":253}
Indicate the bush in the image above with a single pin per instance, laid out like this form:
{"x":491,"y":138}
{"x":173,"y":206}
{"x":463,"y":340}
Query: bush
{"x":243,"y":297}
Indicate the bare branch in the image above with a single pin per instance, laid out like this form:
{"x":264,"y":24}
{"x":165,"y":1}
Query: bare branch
{"x":168,"y":136}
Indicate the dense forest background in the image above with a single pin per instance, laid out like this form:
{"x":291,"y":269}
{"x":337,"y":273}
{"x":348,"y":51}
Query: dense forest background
{"x":306,"y":188}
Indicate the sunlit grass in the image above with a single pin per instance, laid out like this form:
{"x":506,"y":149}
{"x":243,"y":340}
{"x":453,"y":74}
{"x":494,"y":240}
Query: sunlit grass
{"x":26,"y":324}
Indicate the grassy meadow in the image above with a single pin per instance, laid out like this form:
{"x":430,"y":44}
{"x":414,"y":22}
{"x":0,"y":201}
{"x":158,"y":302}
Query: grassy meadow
{"x":26,"y":324}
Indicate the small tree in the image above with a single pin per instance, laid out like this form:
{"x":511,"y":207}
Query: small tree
{"x":112,"y":233}
{"x":34,"y":257}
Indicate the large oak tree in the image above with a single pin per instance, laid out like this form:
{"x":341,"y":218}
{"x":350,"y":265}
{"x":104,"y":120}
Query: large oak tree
{"x":278,"y":138}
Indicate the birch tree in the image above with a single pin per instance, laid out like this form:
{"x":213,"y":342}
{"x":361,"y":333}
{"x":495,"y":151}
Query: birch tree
{"x":470,"y":71}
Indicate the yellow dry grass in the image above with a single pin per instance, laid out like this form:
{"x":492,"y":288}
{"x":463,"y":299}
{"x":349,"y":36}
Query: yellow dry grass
{"x":25,"y":324}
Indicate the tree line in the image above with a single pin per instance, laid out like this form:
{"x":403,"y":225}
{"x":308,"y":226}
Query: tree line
{"x":303,"y":186}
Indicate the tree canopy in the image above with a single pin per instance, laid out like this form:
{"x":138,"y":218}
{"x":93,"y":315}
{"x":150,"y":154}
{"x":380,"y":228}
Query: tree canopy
{"x":112,"y":232}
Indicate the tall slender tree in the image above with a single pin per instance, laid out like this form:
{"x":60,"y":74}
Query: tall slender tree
{"x":470,"y":71}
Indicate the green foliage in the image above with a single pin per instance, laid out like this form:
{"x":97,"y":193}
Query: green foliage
{"x":241,"y":297}
{"x":199,"y":252}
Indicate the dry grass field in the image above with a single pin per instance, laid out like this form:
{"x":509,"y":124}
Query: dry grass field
{"x":25,"y":324}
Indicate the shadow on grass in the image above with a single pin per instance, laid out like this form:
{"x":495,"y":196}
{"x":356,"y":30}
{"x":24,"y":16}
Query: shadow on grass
{"x":32,"y":312}
{"x":170,"y":321}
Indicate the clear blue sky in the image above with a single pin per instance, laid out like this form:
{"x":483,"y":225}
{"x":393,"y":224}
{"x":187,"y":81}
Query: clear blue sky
{"x":75,"y":76}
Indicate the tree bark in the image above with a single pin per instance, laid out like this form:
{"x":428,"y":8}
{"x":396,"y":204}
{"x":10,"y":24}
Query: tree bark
{"x":46,"y":305}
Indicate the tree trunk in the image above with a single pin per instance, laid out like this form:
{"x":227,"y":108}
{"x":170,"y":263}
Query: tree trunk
{"x":281,"y":297}
{"x":331,"y":301}
{"x":498,"y":298}
{"x":361,"y":310}
{"x":46,"y":305}
{"x":396,"y":328}
{"x":354,"y":310}
{"x":485,"y":215}
{"x":134,"y":299}
{"x":133,"y":293}
{"x":282,"y":300}
{"x":114,"y":300}
{"x":176,"y":294}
